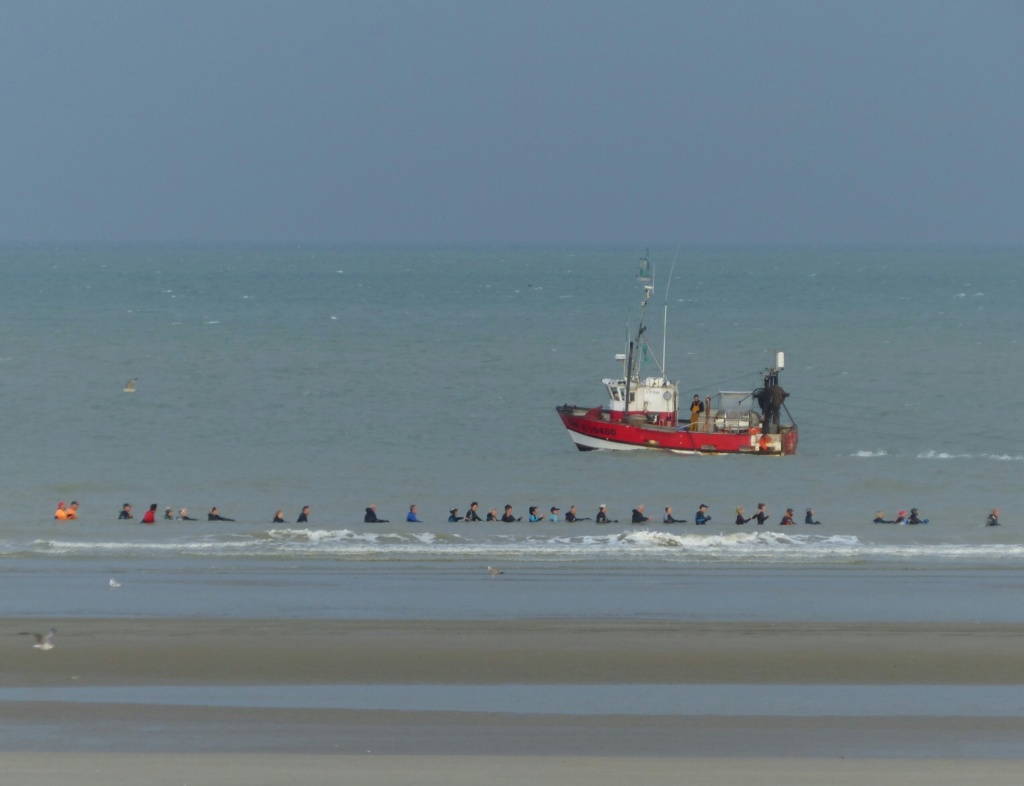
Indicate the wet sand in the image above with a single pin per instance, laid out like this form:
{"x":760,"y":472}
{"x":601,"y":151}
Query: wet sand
{"x":273,"y":770}
{"x":55,"y":742}
{"x":244,"y":652}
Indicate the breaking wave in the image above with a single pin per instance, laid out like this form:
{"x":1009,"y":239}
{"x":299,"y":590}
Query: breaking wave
{"x":935,"y":454}
{"x":767,"y":547}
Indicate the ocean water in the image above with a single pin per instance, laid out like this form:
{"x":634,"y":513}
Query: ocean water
{"x":272,"y":378}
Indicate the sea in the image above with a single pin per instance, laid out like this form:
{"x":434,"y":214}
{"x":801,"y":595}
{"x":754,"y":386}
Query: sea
{"x":273,"y":377}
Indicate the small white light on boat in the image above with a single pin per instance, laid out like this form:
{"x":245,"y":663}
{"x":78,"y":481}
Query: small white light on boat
{"x":780,"y":360}
{"x":620,"y":356}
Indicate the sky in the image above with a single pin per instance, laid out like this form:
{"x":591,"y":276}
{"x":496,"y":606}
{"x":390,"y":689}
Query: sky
{"x":738,"y":122}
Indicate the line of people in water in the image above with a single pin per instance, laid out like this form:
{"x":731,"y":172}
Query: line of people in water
{"x":913,"y":518}
{"x":639,"y":515}
{"x":150,"y":516}
{"x":553,"y":515}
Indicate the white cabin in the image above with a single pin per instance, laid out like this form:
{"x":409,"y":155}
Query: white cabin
{"x":653,"y":395}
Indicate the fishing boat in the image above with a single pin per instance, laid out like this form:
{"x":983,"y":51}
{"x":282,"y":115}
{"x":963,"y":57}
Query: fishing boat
{"x":643,"y":413}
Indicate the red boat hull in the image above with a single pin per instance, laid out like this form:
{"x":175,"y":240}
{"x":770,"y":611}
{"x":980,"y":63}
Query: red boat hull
{"x":594,"y":429}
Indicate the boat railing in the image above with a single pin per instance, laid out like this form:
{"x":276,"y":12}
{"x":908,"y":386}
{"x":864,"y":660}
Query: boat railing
{"x":730,"y":421}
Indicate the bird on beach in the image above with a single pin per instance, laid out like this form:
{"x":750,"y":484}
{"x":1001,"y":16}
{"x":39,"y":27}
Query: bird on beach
{"x":114,"y":584}
{"x":44,"y":641}
{"x":494,"y":571}
{"x":129,"y":386}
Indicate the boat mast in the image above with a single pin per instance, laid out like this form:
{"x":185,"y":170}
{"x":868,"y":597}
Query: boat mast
{"x":664,"y":325}
{"x":629,"y":377}
{"x":633,"y":361}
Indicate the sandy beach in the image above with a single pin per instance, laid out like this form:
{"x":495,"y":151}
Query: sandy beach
{"x":203,"y":743}
{"x":271,"y":770}
{"x":246,"y":652}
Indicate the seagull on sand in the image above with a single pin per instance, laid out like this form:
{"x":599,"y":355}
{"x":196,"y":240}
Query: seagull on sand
{"x":494,"y":571}
{"x":114,"y":584}
{"x":129,"y":386}
{"x":44,"y":641}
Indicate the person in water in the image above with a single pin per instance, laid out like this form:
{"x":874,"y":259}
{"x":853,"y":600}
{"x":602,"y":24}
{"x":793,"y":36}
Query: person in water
{"x":492,"y":515}
{"x":411,"y":516}
{"x":739,"y":517}
{"x":553,"y":513}
{"x":126,"y":512}
{"x":508,"y":517}
{"x":303,"y":515}
{"x":787,"y":518}
{"x":602,"y":515}
{"x":901,"y":517}
{"x":169,"y":514}
{"x":638,"y":515}
{"x":183,"y":515}
{"x":669,"y":519}
{"x":701,"y":517}
{"x":762,"y":513}
{"x":149,"y":517}
{"x":278,"y":517}
{"x":570,"y":515}
{"x":61,"y":513}
{"x":881,"y":519}
{"x":473,"y":514}
{"x":73,"y":510}
{"x":534,"y":515}
{"x":214,"y":515}
{"x":370,"y":517}
{"x":809,"y":517}
{"x":913,"y":518}
{"x":453,"y":515}
{"x":993,"y":518}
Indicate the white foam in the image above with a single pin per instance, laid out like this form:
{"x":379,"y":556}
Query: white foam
{"x":791,"y":545}
{"x":934,"y":454}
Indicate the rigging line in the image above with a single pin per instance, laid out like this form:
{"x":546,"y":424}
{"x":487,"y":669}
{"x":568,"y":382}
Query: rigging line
{"x":698,"y":388}
{"x":830,"y":375}
{"x":971,"y":434}
{"x":831,"y":403}
{"x":894,"y":434}
{"x":925,"y":422}
{"x":808,"y":419}
{"x":671,"y":272}
{"x":853,"y":429}
{"x":1004,"y":439}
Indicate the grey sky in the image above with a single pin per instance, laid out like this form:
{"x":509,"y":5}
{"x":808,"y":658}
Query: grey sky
{"x":701,"y":122}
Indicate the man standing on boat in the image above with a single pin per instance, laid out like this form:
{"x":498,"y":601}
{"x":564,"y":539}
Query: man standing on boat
{"x":696,"y":408}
